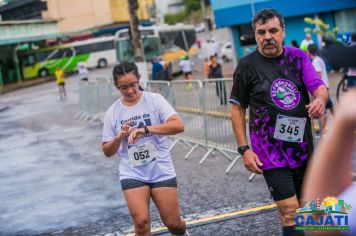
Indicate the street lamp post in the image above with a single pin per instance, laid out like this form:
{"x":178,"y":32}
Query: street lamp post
{"x":135,"y":34}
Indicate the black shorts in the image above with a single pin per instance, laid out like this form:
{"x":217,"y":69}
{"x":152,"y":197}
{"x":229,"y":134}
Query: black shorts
{"x":133,"y":183}
{"x":187,"y":73}
{"x":285,"y":182}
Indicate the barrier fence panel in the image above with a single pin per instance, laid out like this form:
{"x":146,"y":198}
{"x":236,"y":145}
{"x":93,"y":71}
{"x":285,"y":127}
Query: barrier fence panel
{"x":161,"y":87}
{"x":104,"y":90}
{"x":218,"y":119}
{"x":187,"y":100}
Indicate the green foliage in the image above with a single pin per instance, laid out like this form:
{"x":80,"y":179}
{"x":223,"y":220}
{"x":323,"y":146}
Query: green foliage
{"x":191,"y":13}
{"x":191,"y":6}
{"x":320,"y":28}
{"x":172,"y":19}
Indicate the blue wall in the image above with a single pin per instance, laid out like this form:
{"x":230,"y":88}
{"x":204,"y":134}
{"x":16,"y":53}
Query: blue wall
{"x":294,"y":30}
{"x":229,"y":13}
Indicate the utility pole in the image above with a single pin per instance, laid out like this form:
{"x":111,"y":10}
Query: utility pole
{"x":135,"y":34}
{"x":203,"y":12}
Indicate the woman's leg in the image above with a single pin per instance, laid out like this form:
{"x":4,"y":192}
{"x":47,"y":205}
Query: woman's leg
{"x":138,"y":200}
{"x":166,"y":200}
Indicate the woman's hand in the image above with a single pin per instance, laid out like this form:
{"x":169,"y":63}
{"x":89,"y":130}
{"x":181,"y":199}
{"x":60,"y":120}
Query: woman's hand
{"x":135,"y":135}
{"x":125,"y":130}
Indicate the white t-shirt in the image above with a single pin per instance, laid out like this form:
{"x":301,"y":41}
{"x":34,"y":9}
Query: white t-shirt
{"x":152,"y":109}
{"x":83,"y":71}
{"x":320,"y":67}
{"x":306,"y":42}
{"x":186,"y":66}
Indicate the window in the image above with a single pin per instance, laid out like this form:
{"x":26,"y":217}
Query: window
{"x":247,"y":35}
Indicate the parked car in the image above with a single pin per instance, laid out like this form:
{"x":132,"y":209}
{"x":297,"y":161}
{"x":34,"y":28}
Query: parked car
{"x":226,"y":52}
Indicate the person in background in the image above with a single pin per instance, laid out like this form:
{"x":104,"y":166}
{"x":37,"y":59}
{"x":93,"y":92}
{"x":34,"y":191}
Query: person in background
{"x":157,"y":68}
{"x":187,"y":69}
{"x":294,"y":43}
{"x":59,"y":74}
{"x":136,"y":128}
{"x":215,"y":72}
{"x":166,"y":73}
{"x":320,"y":67}
{"x":207,"y":63}
{"x":83,"y":71}
{"x":329,"y":172}
{"x":304,"y":44}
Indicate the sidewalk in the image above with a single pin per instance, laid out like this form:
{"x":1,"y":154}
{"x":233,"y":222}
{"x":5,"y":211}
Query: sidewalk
{"x":23,"y":84}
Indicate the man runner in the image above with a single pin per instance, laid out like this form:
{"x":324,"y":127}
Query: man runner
{"x":274,"y":82}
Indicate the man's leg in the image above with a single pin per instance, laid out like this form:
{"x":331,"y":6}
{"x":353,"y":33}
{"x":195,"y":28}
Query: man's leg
{"x":280,"y":182}
{"x":287,"y":210}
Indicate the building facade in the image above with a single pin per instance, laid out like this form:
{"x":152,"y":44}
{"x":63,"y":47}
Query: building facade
{"x":237,"y":15}
{"x":77,"y":15}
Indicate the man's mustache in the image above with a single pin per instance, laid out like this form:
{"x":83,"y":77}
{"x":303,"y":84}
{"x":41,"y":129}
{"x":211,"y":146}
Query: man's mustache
{"x":269,"y":42}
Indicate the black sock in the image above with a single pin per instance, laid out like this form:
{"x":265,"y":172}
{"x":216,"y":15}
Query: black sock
{"x":290,"y":231}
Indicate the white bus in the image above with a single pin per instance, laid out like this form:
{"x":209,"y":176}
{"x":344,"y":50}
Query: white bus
{"x":156,"y":41}
{"x":96,"y":52}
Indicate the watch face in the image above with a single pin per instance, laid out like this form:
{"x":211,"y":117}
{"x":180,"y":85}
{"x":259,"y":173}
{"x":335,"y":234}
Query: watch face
{"x":243,"y":149}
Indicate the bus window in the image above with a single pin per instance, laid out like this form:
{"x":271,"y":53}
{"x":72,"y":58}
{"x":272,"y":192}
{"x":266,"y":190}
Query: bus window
{"x":125,"y":51}
{"x":31,"y":60}
{"x":151,"y":48}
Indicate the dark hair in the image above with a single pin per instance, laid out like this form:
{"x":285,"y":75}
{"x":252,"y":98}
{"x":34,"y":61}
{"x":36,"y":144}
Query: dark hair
{"x":312,"y":49}
{"x":295,"y":43}
{"x":124,"y":68}
{"x":353,"y":37}
{"x":266,"y":14}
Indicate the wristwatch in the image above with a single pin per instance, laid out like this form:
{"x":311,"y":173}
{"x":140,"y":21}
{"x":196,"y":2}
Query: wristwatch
{"x":146,"y":130}
{"x":243,"y":149}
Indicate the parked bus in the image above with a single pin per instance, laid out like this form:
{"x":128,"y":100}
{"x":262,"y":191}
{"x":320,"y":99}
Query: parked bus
{"x":157,"y":41}
{"x":96,"y":52}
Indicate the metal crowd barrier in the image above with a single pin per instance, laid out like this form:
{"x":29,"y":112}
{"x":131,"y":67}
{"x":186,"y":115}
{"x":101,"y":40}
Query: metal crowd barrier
{"x":202,"y":105}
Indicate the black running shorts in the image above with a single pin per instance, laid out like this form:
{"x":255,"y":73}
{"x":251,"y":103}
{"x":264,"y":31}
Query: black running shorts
{"x":285,"y":182}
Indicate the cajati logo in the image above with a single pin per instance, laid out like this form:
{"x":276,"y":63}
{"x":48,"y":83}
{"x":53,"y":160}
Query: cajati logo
{"x":328,"y":214}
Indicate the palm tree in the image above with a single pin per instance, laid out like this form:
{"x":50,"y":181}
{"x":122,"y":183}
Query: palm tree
{"x":348,"y":207}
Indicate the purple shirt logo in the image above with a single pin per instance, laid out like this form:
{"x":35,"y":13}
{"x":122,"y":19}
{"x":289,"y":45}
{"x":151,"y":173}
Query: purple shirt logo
{"x":285,"y":94}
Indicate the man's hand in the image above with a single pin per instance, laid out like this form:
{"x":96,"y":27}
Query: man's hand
{"x":316,"y":108}
{"x":252,"y":162}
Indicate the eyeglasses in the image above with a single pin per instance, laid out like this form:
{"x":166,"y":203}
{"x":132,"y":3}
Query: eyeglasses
{"x":132,"y":85}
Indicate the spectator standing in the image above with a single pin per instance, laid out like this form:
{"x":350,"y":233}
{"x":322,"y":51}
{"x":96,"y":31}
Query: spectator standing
{"x":215,"y":72}
{"x":304,"y":44}
{"x":320,"y":67}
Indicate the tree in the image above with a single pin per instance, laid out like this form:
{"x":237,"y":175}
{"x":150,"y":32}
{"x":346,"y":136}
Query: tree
{"x":320,"y":28}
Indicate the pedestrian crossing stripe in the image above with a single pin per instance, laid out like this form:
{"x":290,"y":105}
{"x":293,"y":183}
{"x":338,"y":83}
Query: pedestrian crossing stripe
{"x":218,"y":217}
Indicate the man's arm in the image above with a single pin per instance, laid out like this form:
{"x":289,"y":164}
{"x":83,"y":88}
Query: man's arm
{"x":317,"y":107}
{"x":251,"y":160}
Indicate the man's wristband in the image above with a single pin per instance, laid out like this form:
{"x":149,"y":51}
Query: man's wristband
{"x":146,"y":130}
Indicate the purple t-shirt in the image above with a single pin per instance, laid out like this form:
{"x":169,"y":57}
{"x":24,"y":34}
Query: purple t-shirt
{"x":272,"y":87}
